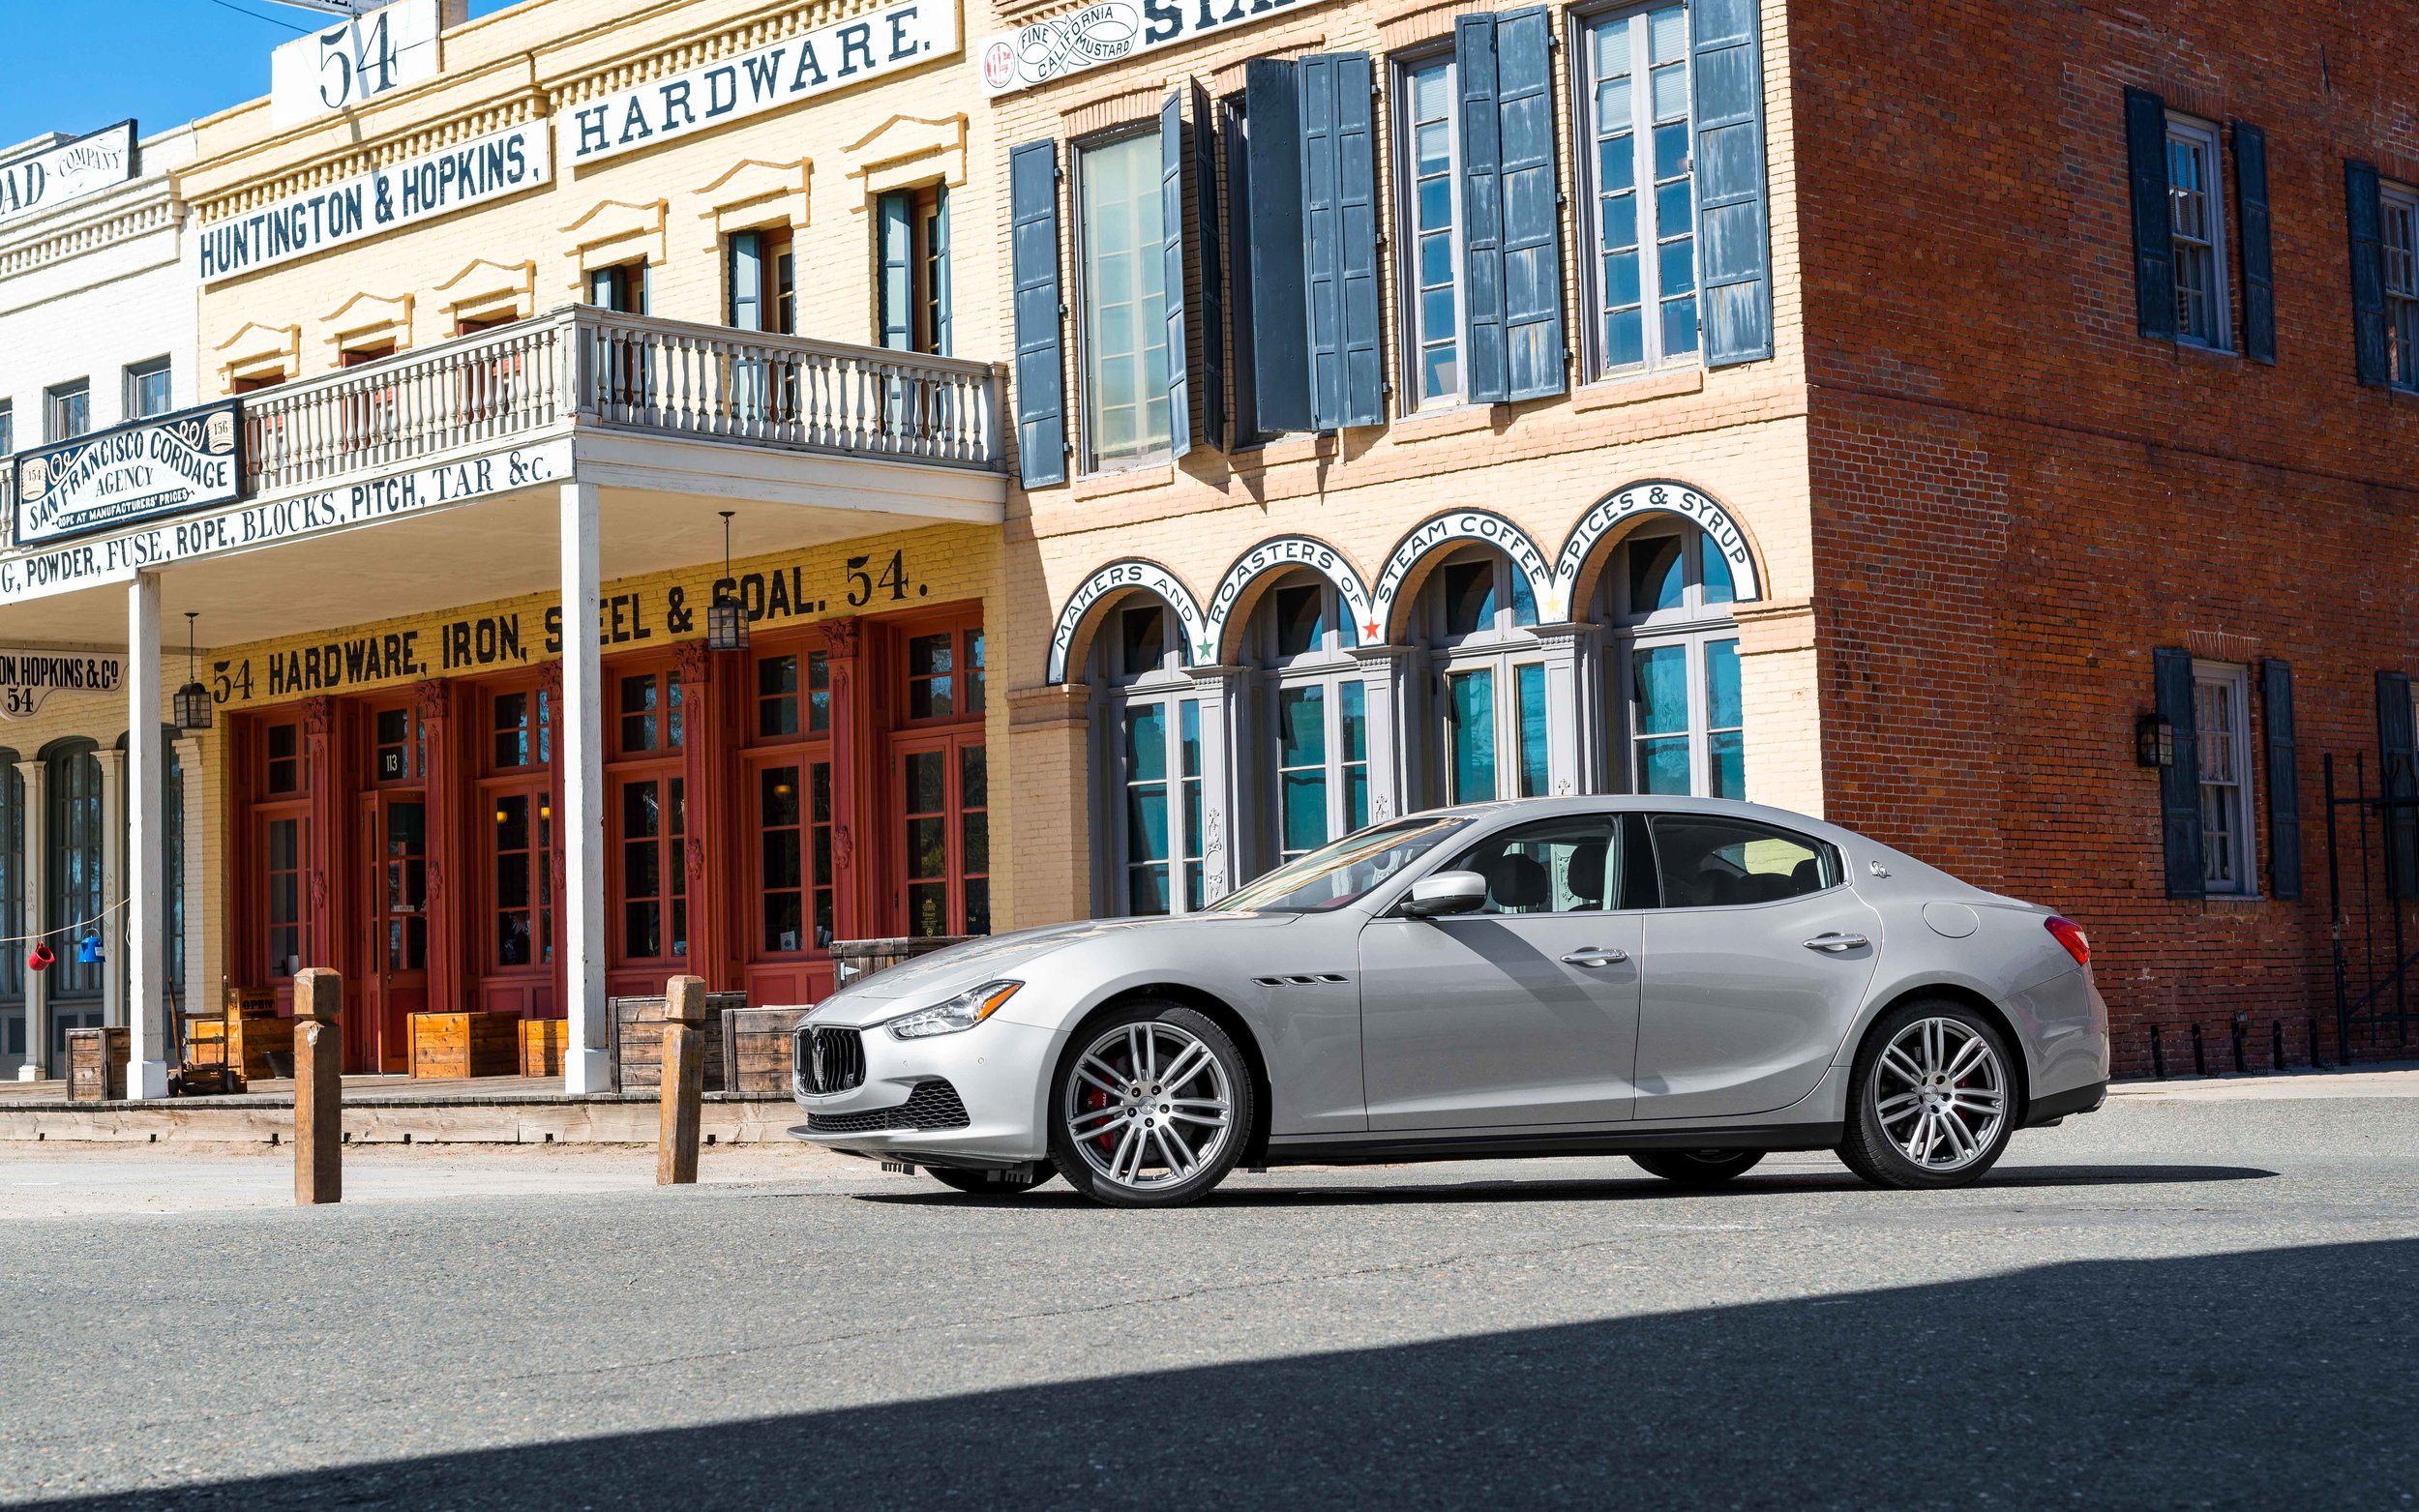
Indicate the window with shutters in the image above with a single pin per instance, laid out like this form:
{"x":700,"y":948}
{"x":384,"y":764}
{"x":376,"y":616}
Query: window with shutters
{"x":2222,"y":733}
{"x":1121,"y":290}
{"x":2398,"y":224}
{"x":761,"y":282}
{"x":1427,"y":173}
{"x":911,"y":250}
{"x":623,"y":288}
{"x":2196,"y":227}
{"x":1150,"y":763}
{"x":1673,"y":654}
{"x":1642,"y":185}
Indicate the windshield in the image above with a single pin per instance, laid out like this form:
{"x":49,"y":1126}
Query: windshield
{"x":1347,"y":870}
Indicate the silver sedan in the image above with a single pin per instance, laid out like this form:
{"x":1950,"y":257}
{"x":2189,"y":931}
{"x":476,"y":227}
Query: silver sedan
{"x":1690,"y":983}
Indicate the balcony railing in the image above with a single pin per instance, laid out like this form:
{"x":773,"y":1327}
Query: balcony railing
{"x":582,"y":367}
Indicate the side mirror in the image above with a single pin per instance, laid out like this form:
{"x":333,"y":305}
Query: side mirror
{"x":1446,"y":892}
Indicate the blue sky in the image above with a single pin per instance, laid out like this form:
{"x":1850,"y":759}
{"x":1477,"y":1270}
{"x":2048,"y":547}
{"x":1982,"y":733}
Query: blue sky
{"x":76,"y":65}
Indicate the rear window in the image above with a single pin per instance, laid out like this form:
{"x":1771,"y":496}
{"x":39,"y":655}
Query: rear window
{"x":1711,"y":861}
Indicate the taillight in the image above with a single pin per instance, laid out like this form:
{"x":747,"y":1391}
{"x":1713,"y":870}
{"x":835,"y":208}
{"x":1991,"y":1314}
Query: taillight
{"x":2070,"y":934}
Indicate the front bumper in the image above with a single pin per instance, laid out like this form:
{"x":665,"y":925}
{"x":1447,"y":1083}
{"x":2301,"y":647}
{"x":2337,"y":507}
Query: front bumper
{"x":989,"y":1082}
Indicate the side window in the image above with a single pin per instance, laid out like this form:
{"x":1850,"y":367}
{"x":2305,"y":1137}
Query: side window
{"x":1708,"y":861}
{"x":1570,"y":865}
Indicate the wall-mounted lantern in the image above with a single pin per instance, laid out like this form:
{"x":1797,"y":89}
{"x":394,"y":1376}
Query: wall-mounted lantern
{"x":192,"y":703}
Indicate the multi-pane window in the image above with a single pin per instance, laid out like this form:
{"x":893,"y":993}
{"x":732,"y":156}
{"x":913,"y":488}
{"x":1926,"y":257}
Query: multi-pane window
{"x":1125,"y":301}
{"x":524,"y":903}
{"x":282,"y":765}
{"x":912,"y":225}
{"x":70,"y":406}
{"x":654,"y":880}
{"x":947,"y":829}
{"x":12,"y":884}
{"x":650,"y":713}
{"x":762,"y":283}
{"x":8,"y":426}
{"x":1476,"y":611}
{"x":1642,"y":171}
{"x":944,"y":672}
{"x":2222,"y":730}
{"x":281,"y":871}
{"x":2197,"y":226}
{"x":797,"y":884}
{"x":1430,"y":176}
{"x":394,"y":746}
{"x":622,"y":287}
{"x":147,"y":389}
{"x":2398,"y":211}
{"x":172,"y":868}
{"x":1676,"y":654}
{"x":523,"y":730}
{"x":1150,"y":764}
{"x":1316,"y":708}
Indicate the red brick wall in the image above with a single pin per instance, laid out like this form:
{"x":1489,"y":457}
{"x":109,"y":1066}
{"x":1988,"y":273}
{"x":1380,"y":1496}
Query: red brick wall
{"x":2015,"y":497}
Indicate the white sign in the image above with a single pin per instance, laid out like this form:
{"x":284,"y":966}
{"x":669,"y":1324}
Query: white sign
{"x":1294,"y":551}
{"x":28,"y":678}
{"x":894,"y":38}
{"x":1622,"y":505}
{"x":488,"y":167}
{"x":51,"y":177}
{"x":1462,"y":524}
{"x":174,"y":463}
{"x":116,"y":559}
{"x":1104,"y":33}
{"x":353,"y":62}
{"x":1117,"y":578}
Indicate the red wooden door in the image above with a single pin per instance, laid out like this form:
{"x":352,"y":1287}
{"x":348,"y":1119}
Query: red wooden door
{"x":393,"y":960}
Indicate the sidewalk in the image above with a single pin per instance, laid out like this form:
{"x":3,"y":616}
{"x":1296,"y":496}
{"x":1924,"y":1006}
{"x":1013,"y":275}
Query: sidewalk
{"x":2379,"y":1079}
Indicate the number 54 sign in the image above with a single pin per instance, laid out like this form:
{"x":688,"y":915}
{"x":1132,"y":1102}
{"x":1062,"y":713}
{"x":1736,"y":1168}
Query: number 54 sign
{"x":358,"y":59}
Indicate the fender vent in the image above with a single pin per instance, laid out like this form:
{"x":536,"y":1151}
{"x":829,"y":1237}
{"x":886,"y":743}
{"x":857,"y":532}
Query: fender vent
{"x":1318,"y":979}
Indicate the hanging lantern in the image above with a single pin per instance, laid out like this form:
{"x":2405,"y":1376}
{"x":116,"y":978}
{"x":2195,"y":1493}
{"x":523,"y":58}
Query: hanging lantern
{"x":88,"y":951}
{"x":39,"y":958}
{"x":192,"y":703}
{"x":726,"y":619}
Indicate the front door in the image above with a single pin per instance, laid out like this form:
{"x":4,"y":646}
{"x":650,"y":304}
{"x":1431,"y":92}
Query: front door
{"x":1756,"y":967}
{"x":394,"y":926}
{"x":1523,"y":1013}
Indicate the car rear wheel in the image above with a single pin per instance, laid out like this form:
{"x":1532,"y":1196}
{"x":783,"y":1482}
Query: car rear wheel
{"x":1697,"y":1168}
{"x":1151,"y":1107}
{"x":1933,"y":1100}
{"x":1011,"y":1181}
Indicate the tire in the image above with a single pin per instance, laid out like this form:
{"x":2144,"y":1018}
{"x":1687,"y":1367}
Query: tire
{"x":1933,"y":1100}
{"x":1699,"y":1167}
{"x":1136,"y":1142}
{"x":1012,"y":1182}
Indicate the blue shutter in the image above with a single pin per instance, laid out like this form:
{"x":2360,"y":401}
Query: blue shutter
{"x":2398,"y":780}
{"x":2365,"y":215}
{"x":1211,"y":381}
{"x":2154,"y":234}
{"x":1483,"y":374}
{"x":895,"y":220}
{"x":2250,"y":198}
{"x":1529,"y":185}
{"x":1239,"y":240}
{"x":1041,"y":369}
{"x":2179,"y":784}
{"x":939,"y":251}
{"x":1733,"y":239}
{"x":747,"y":282}
{"x":2276,"y":689}
{"x":1340,"y":249}
{"x":1172,"y":271}
{"x":1280,"y":341}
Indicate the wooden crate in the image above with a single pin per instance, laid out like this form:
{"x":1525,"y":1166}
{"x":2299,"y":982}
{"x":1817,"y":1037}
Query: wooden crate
{"x":455,"y":1044}
{"x":247,"y":1002}
{"x":96,"y":1065}
{"x":543,"y":1042}
{"x":757,"y":1049}
{"x":638,"y":1048}
{"x":255,"y":1048}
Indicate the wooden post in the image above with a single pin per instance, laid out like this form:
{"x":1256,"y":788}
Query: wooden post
{"x":684,"y":1082}
{"x":319,"y":1088}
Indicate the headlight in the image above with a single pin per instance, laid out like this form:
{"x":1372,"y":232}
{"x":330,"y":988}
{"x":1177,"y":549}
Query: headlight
{"x":962,"y":1011}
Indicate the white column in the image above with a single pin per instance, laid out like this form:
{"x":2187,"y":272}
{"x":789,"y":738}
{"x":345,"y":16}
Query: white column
{"x":1224,"y":777}
{"x":144,"y":933}
{"x":583,"y":829}
{"x":194,"y":992}
{"x":1383,"y":669}
{"x":37,"y":915}
{"x":1570,"y":727}
{"x":113,"y":926}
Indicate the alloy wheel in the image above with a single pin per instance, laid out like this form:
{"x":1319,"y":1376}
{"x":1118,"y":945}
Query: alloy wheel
{"x":1940,"y":1094}
{"x":1149,"y":1105}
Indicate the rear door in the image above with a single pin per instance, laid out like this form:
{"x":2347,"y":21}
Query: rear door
{"x":1523,"y":1013}
{"x":1753,"y":969}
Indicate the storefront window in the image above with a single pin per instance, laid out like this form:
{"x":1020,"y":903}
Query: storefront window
{"x":1675,"y":662}
{"x":650,"y":713}
{"x":11,"y":883}
{"x":794,"y":824}
{"x":1477,"y":612}
{"x":654,"y":875}
{"x":395,"y":740}
{"x":77,"y":868}
{"x":281,"y":877}
{"x":283,"y":772}
{"x":1316,"y":704}
{"x":172,"y":866}
{"x":523,"y":905}
{"x":1148,"y":763}
{"x":944,"y":674}
{"x":947,"y":834}
{"x":524,"y":730}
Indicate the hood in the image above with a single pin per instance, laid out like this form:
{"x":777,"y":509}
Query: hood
{"x":936,"y":977}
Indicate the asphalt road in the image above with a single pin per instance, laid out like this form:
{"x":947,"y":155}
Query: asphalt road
{"x":2169,"y":1303}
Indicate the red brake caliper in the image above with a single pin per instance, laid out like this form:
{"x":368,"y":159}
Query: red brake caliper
{"x":1095,"y":1100}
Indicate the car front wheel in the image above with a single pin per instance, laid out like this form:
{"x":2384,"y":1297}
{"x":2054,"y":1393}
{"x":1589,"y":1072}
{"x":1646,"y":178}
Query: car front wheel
{"x":1933,"y":1100}
{"x":1151,"y":1107}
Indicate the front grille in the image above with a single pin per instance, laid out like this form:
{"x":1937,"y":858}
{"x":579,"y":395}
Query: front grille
{"x":827,"y":1061}
{"x":933,"y":1105}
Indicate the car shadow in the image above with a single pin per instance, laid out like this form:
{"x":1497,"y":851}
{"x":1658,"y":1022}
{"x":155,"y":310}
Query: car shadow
{"x":1414,"y":1190}
{"x":2250,"y":1378}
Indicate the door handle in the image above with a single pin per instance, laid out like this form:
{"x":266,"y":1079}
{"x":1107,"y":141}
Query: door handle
{"x":1835,"y":943}
{"x":1592,"y":957}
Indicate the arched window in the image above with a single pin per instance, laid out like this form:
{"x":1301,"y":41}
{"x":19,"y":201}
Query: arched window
{"x":1314,"y":708}
{"x":1475,"y":616}
{"x":1149,"y":762}
{"x":76,"y":870}
{"x":1675,"y":712}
